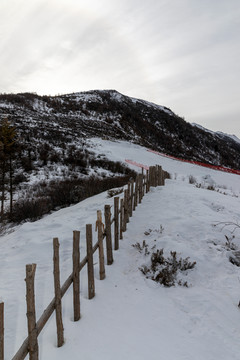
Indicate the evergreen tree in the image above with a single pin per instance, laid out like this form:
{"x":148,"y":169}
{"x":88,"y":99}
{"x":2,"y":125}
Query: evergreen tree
{"x":7,"y":149}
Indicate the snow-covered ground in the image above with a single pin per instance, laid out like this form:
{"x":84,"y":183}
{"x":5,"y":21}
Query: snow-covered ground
{"x":132,"y":317}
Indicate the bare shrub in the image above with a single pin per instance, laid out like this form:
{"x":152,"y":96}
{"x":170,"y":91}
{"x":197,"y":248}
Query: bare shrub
{"x":141,"y":248}
{"x":165,"y":270}
{"x":61,"y":193}
{"x":192,"y":179}
{"x":26,"y":209}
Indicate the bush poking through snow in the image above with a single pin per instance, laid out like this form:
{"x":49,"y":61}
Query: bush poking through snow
{"x":141,"y":248}
{"x":166,"y":270}
{"x":192,"y":179}
{"x":229,"y":245}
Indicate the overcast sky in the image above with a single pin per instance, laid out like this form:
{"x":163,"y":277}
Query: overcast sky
{"x":184,"y":54}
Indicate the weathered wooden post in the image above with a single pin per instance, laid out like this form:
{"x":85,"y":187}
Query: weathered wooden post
{"x":147,"y":181}
{"x":131,"y":199}
{"x":121,"y":218}
{"x":90,"y":267}
{"x":31,"y":313}
{"x":155,"y":176}
{"x":140,"y":187}
{"x":149,"y":177}
{"x":128,"y":203}
{"x":159,"y":175}
{"x":57,"y":288}
{"x":100,"y":229}
{"x":1,"y":331}
{"x":143,"y":186}
{"x":164,"y":177}
{"x":116,"y":223}
{"x":135,"y":201}
{"x":76,"y":275}
{"x":107,"y":213}
{"x":125,"y":208}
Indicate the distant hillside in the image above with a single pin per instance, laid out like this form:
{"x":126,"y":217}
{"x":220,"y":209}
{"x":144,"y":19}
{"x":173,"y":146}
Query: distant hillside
{"x":64,"y":119}
{"x":52,"y":162}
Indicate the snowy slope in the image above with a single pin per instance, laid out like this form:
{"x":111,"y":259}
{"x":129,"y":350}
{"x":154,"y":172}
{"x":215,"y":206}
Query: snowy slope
{"x":132,"y":317}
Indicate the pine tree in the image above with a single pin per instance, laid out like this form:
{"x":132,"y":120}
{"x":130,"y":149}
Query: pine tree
{"x":7,"y":149}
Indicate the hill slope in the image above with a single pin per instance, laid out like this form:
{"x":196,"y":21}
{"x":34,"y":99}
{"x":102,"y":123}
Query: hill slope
{"x":62,"y":120}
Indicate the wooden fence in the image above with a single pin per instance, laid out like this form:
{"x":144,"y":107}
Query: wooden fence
{"x":123,"y":210}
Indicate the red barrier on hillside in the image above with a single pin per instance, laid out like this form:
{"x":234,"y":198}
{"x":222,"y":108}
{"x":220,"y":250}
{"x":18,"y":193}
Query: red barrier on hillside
{"x":137,"y":164}
{"x":214,"y":167}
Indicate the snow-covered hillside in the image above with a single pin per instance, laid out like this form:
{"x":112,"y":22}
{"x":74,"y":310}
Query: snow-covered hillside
{"x":56,"y":123}
{"x":132,"y":317}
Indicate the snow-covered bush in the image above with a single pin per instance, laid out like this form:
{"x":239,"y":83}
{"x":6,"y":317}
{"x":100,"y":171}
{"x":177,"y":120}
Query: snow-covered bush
{"x":164,"y":270}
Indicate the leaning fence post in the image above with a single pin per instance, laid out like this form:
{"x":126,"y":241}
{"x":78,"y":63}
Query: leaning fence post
{"x":107,"y":213}
{"x":1,"y":331}
{"x":57,"y":288}
{"x":99,"y":229}
{"x":90,"y":267}
{"x":76,"y":276}
{"x":116,"y":223}
{"x":31,"y":313}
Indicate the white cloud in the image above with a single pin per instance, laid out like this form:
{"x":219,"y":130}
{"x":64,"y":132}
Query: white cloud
{"x":182,"y":54}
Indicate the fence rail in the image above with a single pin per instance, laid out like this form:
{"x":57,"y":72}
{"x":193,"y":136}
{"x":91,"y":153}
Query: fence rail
{"x":123,"y":210}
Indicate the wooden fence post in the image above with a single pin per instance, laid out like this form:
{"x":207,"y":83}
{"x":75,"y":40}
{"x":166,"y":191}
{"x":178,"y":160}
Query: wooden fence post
{"x":76,"y":276}
{"x":135,"y":200}
{"x":164,"y":177}
{"x":143,"y":186}
{"x":159,"y":177}
{"x":58,"y":297}
{"x":125,"y":212}
{"x":131,"y":199}
{"x":155,"y":175}
{"x":121,"y":218}
{"x":1,"y":331}
{"x":99,"y":229}
{"x":147,"y":181}
{"x":116,"y":223}
{"x":107,"y":213}
{"x":90,"y":267}
{"x":31,"y":313}
{"x":140,"y":188}
{"x":128,"y":198}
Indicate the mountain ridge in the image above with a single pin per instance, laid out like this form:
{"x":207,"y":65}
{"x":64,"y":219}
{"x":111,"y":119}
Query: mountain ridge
{"x":108,"y":113}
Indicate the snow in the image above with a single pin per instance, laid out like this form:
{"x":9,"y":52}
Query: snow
{"x":233,"y":137}
{"x":133,"y":317}
{"x":150,"y":104}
